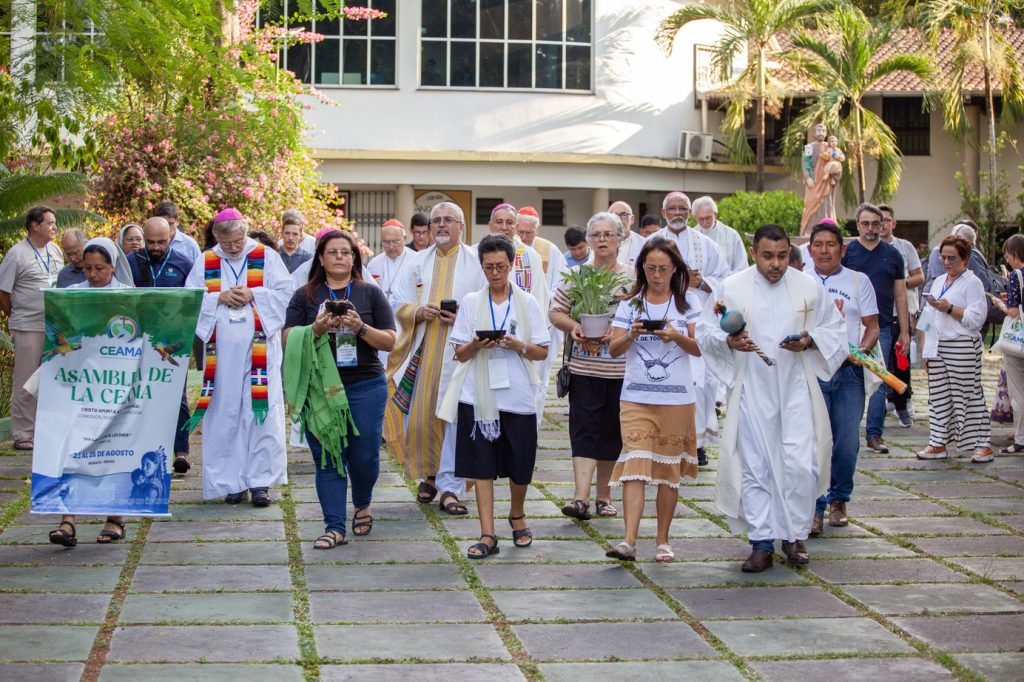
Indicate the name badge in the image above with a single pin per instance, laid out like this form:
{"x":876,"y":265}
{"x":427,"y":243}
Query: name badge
{"x":497,"y":372}
{"x":345,"y":349}
{"x":236,"y":315}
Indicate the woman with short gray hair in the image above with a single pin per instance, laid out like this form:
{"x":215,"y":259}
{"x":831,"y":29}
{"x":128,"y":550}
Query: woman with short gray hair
{"x":596,"y":380}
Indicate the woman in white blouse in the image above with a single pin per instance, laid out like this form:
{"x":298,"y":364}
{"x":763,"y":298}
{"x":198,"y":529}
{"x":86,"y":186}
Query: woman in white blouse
{"x":953,"y":350}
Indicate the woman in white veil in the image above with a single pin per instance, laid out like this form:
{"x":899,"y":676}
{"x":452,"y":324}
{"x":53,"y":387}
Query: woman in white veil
{"x":105,"y":266}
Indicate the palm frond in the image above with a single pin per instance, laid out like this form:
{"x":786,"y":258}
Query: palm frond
{"x":919,"y":65}
{"x":665,"y":36}
{"x":19,"y":192}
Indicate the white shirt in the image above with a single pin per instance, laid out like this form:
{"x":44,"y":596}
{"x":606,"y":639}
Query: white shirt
{"x":658,"y":373}
{"x":966,"y":292}
{"x":730,"y":244}
{"x":911,"y":261}
{"x":630,"y":248}
{"x":519,"y":396}
{"x":114,"y":284}
{"x":854,"y":298}
{"x":186,"y":246}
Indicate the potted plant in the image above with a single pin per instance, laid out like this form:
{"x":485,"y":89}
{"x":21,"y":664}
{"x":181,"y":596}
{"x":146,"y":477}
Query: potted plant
{"x":591,"y":292}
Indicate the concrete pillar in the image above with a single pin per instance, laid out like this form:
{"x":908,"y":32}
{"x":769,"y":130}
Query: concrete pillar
{"x":405,"y":203}
{"x":972,"y":148}
{"x":598,"y":200}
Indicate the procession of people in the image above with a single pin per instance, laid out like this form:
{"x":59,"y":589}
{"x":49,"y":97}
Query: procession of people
{"x":441,"y":351}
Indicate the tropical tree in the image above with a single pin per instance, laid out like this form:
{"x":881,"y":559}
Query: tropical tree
{"x":979,"y":43}
{"x":749,"y":25}
{"x":841,"y":61}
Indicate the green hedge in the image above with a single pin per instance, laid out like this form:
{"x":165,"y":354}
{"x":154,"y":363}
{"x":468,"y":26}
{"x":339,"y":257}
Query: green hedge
{"x":747,"y":211}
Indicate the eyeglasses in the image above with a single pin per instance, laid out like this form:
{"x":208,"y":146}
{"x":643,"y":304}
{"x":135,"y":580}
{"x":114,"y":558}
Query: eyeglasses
{"x":445,"y":219}
{"x":677,"y":209}
{"x":496,"y":267}
{"x":624,"y":215}
{"x":420,"y":233}
{"x":391,"y":242}
{"x":338,"y":253}
{"x":659,"y":269}
{"x":949,"y":259}
{"x":231,"y":244}
{"x":603,"y":236}
{"x":871,"y":223}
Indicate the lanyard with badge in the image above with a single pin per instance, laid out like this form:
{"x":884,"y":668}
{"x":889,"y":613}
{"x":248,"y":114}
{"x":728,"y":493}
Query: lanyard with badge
{"x":344,"y":339}
{"x":497,"y":364}
{"x":167,"y":257}
{"x":235,"y":315}
{"x":44,"y":265}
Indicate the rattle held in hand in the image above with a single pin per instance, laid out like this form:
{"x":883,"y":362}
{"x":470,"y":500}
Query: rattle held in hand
{"x":732,"y":323}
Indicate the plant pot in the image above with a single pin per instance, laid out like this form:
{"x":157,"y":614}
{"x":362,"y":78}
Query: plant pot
{"x":595,"y":326}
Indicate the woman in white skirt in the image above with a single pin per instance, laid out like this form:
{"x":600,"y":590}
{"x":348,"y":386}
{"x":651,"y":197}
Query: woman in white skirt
{"x":654,"y":328}
{"x":953,"y":351}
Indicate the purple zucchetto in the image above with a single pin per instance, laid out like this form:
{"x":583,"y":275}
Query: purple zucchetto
{"x":228,"y":214}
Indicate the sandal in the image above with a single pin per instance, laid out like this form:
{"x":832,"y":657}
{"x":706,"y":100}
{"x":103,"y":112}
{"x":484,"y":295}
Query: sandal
{"x":577,"y":509}
{"x":181,"y":464}
{"x":605,"y":508}
{"x":519,"y":534}
{"x":107,"y":536}
{"x":1015,"y":449}
{"x":59,"y":536}
{"x":664,"y":554}
{"x":360,"y":522}
{"x":622,"y":551}
{"x":329,"y":540}
{"x":455,"y":508}
{"x":483,"y":549}
{"x":426,"y":493}
{"x":24,"y":445}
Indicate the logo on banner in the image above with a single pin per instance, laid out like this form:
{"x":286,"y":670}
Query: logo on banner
{"x":126,"y":330}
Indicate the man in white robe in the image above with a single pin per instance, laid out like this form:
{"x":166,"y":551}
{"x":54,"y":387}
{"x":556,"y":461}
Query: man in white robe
{"x":776,"y":447}
{"x":553,"y":263}
{"x":707,"y":270}
{"x":528,"y":273}
{"x":386,"y":267}
{"x":729,"y":241}
{"x":633,"y":241}
{"x":240,"y":454}
{"x":421,"y":365}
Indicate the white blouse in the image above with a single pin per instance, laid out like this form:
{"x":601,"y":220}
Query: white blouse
{"x":966,"y":292}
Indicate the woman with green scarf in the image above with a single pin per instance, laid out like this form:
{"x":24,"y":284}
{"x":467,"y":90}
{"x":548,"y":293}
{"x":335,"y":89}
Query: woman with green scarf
{"x":334,"y":381}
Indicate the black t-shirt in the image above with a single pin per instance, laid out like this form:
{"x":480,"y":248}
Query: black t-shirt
{"x":373,"y":308}
{"x":883,"y":265}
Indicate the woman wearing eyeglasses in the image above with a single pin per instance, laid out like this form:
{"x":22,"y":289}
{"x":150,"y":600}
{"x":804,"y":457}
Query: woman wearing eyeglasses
{"x":334,"y":327}
{"x":952,"y":353}
{"x":654,"y":328}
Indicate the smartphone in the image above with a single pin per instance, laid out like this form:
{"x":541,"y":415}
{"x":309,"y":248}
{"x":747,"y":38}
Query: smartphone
{"x":928,"y":296}
{"x":450,"y":305}
{"x":653,"y":325}
{"x":338,"y":307}
{"x":791,"y":339}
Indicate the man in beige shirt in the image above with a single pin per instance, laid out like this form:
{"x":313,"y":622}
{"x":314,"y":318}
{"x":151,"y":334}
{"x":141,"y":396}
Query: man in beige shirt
{"x":30,"y":266}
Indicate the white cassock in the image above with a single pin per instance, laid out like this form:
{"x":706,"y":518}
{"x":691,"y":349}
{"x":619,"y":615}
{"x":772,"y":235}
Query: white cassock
{"x":385,"y":272}
{"x":730,"y":246}
{"x":557,"y":268}
{"x":238,"y":453}
{"x":630,"y":248}
{"x":700,"y":253}
{"x":775,"y":456}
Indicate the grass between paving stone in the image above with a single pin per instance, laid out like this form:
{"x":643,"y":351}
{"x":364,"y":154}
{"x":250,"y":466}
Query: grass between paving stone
{"x":665,"y":597}
{"x":308,"y":657}
{"x":101,"y":645}
{"x":14,"y":508}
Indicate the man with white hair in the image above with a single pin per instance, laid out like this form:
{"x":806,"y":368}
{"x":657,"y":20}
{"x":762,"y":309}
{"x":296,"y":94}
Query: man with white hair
{"x":247,"y":293}
{"x":707,"y":270}
{"x":625,"y":214}
{"x":729,"y":242}
{"x":421,"y":364}
{"x":977,"y":264}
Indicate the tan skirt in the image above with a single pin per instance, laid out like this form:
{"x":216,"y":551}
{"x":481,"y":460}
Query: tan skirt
{"x":659,"y":444}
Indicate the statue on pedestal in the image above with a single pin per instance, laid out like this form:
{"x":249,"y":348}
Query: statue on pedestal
{"x":822,"y":167}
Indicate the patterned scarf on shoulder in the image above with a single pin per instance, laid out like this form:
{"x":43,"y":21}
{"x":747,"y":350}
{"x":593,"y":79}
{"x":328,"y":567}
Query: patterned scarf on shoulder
{"x":258,"y":373}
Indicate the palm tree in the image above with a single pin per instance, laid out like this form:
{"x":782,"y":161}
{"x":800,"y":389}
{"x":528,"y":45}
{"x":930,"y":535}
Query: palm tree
{"x":978,"y":42}
{"x":19,"y":192}
{"x":842,"y":63}
{"x":750,"y":25}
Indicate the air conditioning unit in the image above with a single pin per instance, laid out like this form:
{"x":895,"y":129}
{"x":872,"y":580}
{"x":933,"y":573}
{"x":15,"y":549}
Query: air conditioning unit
{"x":695,"y":146}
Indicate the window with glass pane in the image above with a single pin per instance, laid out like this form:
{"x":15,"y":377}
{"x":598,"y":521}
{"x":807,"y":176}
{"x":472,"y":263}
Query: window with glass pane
{"x":56,"y":29}
{"x":910,"y":122}
{"x":531,"y":44}
{"x":352,"y":52}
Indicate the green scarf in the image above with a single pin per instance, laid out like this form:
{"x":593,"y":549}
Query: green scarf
{"x":315,"y":394}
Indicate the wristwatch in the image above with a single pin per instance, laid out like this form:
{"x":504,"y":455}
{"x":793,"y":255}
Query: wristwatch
{"x":522,"y":351}
{"x":363,"y":330}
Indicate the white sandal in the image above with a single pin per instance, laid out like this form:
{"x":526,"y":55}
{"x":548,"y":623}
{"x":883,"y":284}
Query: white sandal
{"x":622,"y":551}
{"x":664,"y":554}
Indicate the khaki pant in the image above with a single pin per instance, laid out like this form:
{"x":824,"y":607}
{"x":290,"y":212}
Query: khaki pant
{"x":28,"y":353}
{"x":1015,"y":387}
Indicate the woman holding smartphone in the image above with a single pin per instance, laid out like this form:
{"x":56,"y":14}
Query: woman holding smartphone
{"x":334,"y":376}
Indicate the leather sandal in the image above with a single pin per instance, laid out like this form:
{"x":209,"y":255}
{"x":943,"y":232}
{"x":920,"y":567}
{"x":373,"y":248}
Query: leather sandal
{"x":24,"y":445}
{"x":107,"y":536}
{"x":426,"y":492}
{"x":483,"y":549}
{"x":329,"y":540}
{"x":622,"y":551}
{"x":519,"y":534}
{"x":605,"y":508}
{"x":59,"y":536}
{"x":361,"y":522}
{"x":455,"y":508}
{"x":577,"y":509}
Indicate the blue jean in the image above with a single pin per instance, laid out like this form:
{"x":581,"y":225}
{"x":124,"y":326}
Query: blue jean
{"x":844,"y":399}
{"x":366,"y":399}
{"x":876,"y":405}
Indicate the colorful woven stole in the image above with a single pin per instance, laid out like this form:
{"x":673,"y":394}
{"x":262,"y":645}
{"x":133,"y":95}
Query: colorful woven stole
{"x":522,"y":268}
{"x":258,"y":372}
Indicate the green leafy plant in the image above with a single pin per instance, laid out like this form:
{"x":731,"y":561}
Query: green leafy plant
{"x":747,"y":211}
{"x":591,"y":290}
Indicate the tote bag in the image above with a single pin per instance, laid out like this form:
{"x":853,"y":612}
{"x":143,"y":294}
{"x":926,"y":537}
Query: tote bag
{"x":1011,"y":335}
